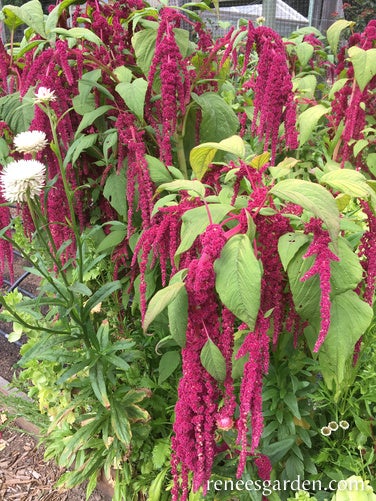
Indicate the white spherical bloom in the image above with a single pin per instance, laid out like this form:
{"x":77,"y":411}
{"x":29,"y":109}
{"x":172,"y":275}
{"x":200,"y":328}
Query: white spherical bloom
{"x":22,"y":179}
{"x":333,"y":425}
{"x":44,"y":95}
{"x":30,"y":141}
{"x":344,"y":425}
{"x":326,"y":431}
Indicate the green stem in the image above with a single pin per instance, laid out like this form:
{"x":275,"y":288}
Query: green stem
{"x":181,"y":155}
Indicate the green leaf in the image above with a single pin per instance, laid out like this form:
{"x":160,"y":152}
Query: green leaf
{"x":167,"y":365}
{"x":219,"y":121}
{"x":195,"y":221}
{"x":159,"y":173}
{"x":120,"y":424}
{"x":16,"y":114}
{"x":312,"y":197}
{"x":178,"y":313}
{"x":101,"y":294}
{"x":201,"y":156}
{"x":213,"y":361}
{"x":349,"y":319}
{"x":78,"y":146}
{"x":306,"y":85}
{"x":115,"y":192}
{"x":364,"y":63}
{"x":194,"y":188}
{"x":359,"y":146}
{"x":161,"y":453}
{"x":80,"y":288}
{"x":308,"y":120}
{"x":348,"y":181}
{"x":143,"y":43}
{"x":134,"y":95}
{"x":79,"y":33}
{"x":334,"y":32}
{"x":304,"y":51}
{"x":155,"y":489}
{"x":238,"y":279}
{"x":277,"y":450}
{"x":84,"y":102}
{"x":31,"y":13}
{"x":160,"y":301}
{"x":112,"y":240}
{"x":291,"y":401}
{"x":89,"y":118}
{"x":98,"y":384}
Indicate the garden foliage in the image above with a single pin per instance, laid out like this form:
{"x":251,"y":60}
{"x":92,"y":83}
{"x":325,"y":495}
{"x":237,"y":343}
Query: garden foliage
{"x":218,"y":194}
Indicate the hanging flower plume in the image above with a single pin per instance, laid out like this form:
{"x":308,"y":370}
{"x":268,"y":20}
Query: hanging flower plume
{"x":321,"y":267}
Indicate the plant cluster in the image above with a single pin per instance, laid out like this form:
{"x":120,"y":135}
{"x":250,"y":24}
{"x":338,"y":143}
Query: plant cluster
{"x":218,"y":194}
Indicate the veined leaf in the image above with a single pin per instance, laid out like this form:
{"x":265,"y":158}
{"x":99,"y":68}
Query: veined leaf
{"x":160,"y":300}
{"x":348,"y":181}
{"x":213,"y":361}
{"x":308,"y":120}
{"x":238,"y":279}
{"x":334,"y":32}
{"x":201,"y":156}
{"x":364,"y":63}
{"x":312,"y":197}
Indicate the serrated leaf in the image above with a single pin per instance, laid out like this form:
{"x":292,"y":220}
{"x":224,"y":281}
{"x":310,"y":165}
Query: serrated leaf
{"x":213,"y":361}
{"x":238,"y":279}
{"x":160,"y":301}
{"x":161,"y":452}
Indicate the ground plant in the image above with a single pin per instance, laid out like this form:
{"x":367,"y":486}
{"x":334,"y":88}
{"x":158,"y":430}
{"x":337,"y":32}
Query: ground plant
{"x":201,"y":215}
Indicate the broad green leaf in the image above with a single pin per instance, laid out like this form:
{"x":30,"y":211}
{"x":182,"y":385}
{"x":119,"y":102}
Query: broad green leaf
{"x":364,"y":63}
{"x":134,"y":95}
{"x":289,"y":244}
{"x":160,"y":301}
{"x":112,"y":240}
{"x":334,"y":32}
{"x":306,"y":85}
{"x":337,"y":86}
{"x":178,"y":312}
{"x":195,"y":221}
{"x":348,"y":181}
{"x":115,"y":192}
{"x":158,"y":171}
{"x":219,"y":121}
{"x":201,"y":156}
{"x":350,"y":318}
{"x":89,"y":118}
{"x":313,"y":197}
{"x":143,"y":43}
{"x":18,"y":115}
{"x":123,"y":74}
{"x":80,"y":288}
{"x":84,"y":102}
{"x":79,"y":33}
{"x":213,"y":361}
{"x":238,"y":279}
{"x":260,"y":160}
{"x":30,"y":13}
{"x":308,"y":120}
{"x":168,"y":363}
{"x":304,"y":51}
{"x":359,"y":146}
{"x":194,"y":188}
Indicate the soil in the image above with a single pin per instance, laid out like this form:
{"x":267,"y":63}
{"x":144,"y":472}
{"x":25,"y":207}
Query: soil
{"x":24,"y":475}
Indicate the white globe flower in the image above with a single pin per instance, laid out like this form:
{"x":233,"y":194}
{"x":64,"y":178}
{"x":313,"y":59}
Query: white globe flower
{"x":44,"y":95}
{"x":22,"y":179}
{"x":30,"y":141}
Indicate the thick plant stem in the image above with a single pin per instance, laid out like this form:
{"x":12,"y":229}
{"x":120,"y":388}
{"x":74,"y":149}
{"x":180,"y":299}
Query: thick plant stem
{"x":181,"y":155}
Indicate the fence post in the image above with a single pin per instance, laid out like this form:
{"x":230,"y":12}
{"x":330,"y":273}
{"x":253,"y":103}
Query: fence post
{"x":269,"y":8}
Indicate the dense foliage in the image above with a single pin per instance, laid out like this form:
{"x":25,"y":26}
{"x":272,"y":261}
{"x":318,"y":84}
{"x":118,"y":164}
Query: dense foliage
{"x":201,"y":214}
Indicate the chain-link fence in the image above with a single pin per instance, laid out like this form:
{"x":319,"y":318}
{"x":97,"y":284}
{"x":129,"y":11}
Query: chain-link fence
{"x":285,"y":16}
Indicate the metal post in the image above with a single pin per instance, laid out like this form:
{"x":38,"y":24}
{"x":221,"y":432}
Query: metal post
{"x":310,"y":11}
{"x":269,"y":8}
